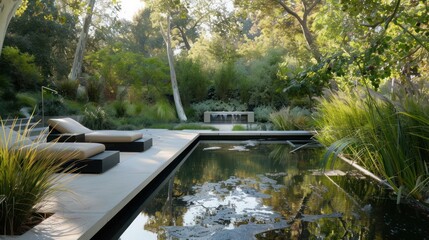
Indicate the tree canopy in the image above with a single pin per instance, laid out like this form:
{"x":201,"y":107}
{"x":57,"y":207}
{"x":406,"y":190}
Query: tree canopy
{"x":258,"y":52}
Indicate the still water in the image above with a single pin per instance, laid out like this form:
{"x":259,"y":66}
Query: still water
{"x":255,"y":190}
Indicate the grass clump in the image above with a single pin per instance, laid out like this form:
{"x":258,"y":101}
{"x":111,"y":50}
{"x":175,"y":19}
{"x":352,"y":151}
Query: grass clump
{"x":388,"y":138}
{"x":291,"y":119}
{"x":96,"y":118}
{"x":238,"y":128}
{"x":27,"y":177}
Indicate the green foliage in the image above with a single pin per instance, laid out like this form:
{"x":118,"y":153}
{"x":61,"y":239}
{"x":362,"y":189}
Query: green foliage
{"x":96,"y":118}
{"x":27,"y":177}
{"x":68,"y":88}
{"x":223,"y":49}
{"x":94,"y":89}
{"x":262,"y":113}
{"x":291,"y":119}
{"x":164,"y":111}
{"x":145,"y":38}
{"x":225,"y":81}
{"x":53,"y":46}
{"x":239,"y":128}
{"x":312,"y":80}
{"x":27,"y":100}
{"x":118,"y":67}
{"x":19,"y":69}
{"x":214,"y":105}
{"x":193,"y":81}
{"x":120,"y":108}
{"x":388,"y":138}
{"x":258,"y":77}
{"x":53,"y":106}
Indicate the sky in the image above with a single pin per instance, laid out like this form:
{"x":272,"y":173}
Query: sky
{"x":130,"y":8}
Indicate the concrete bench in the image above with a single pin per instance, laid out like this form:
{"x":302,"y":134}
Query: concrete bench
{"x":229,"y":117}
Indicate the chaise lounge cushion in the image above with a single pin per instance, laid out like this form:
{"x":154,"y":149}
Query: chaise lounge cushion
{"x":68,"y":125}
{"x":112,"y":136}
{"x":67,"y":151}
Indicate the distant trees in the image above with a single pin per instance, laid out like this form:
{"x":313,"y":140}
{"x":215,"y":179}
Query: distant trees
{"x":261,"y":53}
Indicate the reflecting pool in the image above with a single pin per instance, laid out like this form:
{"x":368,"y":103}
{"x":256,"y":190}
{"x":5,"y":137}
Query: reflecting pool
{"x":255,"y":190}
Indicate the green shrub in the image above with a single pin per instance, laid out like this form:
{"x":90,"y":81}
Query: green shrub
{"x":164,"y":111}
{"x":20,"y":68}
{"x":27,"y":177}
{"x":68,"y":88}
{"x":291,"y":119}
{"x":96,"y":118}
{"x":120,"y":108}
{"x":238,"y":128}
{"x":138,"y":109}
{"x":262,"y":113}
{"x":225,"y":81}
{"x":126,"y":127}
{"x":53,"y":106}
{"x":193,"y":80}
{"x":26,"y":100}
{"x":94,"y":89}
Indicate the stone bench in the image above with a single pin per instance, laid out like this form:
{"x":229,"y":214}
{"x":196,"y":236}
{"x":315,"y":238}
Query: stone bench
{"x":229,"y":117}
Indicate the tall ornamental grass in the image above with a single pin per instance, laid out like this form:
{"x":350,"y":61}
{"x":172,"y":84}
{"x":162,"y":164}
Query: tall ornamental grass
{"x":388,"y":138}
{"x":26,"y":179}
{"x":291,"y":119}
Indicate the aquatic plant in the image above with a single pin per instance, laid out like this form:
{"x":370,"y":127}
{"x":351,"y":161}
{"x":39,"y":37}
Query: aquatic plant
{"x":27,"y":177}
{"x":387,"y":138}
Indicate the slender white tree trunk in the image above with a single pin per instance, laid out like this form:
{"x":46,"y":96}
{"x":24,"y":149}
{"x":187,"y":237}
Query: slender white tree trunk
{"x":177,"y":101}
{"x":76,"y":69}
{"x":7,"y":11}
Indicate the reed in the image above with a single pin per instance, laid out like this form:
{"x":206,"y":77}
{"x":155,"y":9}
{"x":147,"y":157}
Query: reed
{"x":388,"y":138}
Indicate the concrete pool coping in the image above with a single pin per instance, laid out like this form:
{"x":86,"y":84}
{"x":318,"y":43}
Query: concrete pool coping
{"x":91,"y":200}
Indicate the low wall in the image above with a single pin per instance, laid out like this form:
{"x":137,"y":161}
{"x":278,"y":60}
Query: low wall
{"x":229,"y":117}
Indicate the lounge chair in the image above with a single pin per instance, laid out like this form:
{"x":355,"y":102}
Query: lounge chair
{"x":82,"y":157}
{"x":124,"y":141}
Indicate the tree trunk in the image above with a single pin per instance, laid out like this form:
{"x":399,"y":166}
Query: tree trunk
{"x":76,"y":69}
{"x":311,"y":44}
{"x":314,"y":49}
{"x":185,"y":38}
{"x":177,"y":101}
{"x":7,"y":11}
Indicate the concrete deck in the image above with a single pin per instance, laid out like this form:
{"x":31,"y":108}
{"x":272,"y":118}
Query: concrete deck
{"x":91,"y":200}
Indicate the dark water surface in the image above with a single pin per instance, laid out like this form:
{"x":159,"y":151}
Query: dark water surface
{"x":254,"y":190}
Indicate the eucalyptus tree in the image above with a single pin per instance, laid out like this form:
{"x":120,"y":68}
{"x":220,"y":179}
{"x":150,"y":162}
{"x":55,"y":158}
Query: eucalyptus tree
{"x":8,"y":9}
{"x":163,"y":13}
{"x":76,"y":69}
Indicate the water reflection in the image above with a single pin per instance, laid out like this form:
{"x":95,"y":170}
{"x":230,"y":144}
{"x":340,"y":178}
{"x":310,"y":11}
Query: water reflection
{"x":249,"y":190}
